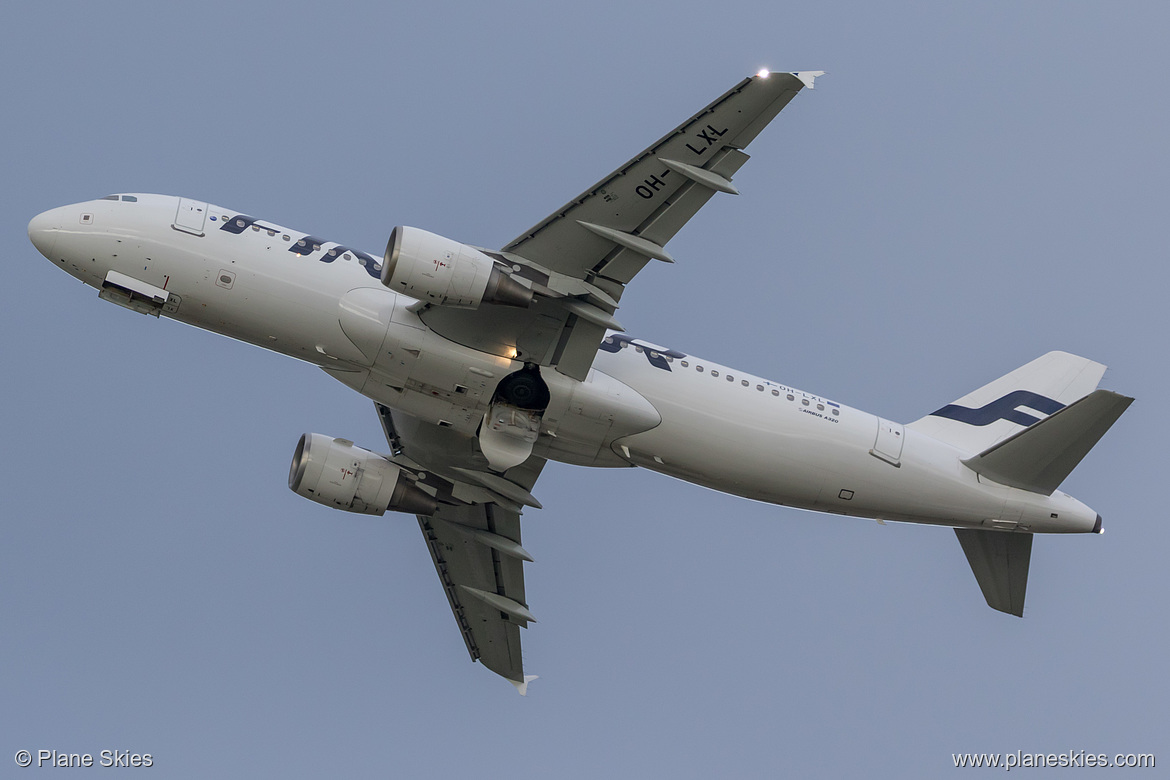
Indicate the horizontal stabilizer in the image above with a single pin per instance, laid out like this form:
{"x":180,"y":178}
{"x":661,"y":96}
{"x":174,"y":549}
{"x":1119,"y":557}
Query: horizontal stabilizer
{"x":1039,"y":457}
{"x":1000,"y":561}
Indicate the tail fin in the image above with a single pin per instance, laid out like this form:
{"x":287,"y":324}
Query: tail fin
{"x":997,"y":411}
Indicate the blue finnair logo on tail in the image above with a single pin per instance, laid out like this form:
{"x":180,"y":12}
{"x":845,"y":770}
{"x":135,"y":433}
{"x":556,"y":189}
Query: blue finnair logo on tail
{"x":1004,"y":408}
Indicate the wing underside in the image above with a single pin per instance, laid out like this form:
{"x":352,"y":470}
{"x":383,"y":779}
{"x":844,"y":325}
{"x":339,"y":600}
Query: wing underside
{"x":469,"y":568}
{"x":580,"y":258}
{"x":614,"y":228}
{"x":474,"y":537}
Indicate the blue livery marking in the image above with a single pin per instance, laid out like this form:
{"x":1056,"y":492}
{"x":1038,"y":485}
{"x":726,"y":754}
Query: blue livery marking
{"x":656,"y":356}
{"x":1003,"y":408}
{"x":306,"y":245}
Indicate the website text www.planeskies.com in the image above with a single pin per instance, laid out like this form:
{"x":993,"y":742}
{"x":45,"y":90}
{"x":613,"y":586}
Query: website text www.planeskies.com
{"x":1069,"y":758}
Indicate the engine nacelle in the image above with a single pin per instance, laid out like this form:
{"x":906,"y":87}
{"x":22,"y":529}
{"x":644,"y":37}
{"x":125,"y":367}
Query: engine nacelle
{"x":337,"y":474}
{"x":437,"y":270}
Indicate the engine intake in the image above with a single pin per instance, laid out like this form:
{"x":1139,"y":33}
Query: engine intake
{"x":337,"y":474}
{"x":437,"y":270}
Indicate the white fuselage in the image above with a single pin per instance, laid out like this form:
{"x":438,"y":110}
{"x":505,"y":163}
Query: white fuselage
{"x":641,"y":404}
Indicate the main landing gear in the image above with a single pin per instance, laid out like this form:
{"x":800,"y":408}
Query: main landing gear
{"x":512,"y":424}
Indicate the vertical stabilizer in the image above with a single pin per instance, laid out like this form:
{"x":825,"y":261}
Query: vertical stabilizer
{"x":996,"y":411}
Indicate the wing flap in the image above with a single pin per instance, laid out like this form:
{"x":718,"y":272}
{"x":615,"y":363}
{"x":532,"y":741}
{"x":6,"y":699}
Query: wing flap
{"x":577,"y":348}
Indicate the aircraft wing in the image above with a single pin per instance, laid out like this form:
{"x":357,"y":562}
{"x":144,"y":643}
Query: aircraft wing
{"x":580,"y":258}
{"x":474,"y":538}
{"x":484,"y":586}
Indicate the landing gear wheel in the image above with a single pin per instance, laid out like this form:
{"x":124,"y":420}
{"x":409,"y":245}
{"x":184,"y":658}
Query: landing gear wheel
{"x":524,"y":389}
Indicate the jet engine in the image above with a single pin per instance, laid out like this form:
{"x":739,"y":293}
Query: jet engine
{"x":337,"y":474}
{"x":437,"y":270}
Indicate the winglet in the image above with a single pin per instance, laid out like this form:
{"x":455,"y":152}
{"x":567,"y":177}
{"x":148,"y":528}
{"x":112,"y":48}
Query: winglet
{"x":522,"y":686}
{"x":808,"y":77}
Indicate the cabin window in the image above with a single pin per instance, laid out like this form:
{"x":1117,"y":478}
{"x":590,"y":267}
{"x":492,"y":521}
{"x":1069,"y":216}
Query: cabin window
{"x":791,"y":397}
{"x":714,"y":372}
{"x":685,"y":364}
{"x":836,"y":412}
{"x":775,"y":392}
{"x":804,"y":402}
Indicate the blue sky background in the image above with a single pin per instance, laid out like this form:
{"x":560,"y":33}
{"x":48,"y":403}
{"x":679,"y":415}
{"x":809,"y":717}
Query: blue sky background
{"x":974,"y":184}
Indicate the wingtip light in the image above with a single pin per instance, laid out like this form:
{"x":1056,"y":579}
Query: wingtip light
{"x":764,"y":73}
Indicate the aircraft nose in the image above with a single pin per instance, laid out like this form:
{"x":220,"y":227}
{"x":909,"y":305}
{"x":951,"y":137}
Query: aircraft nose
{"x":43,"y":229}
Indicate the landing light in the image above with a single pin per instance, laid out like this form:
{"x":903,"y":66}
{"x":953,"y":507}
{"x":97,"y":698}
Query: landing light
{"x":764,"y":73}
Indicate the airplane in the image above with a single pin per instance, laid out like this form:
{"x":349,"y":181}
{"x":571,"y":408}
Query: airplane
{"x":485,"y":364}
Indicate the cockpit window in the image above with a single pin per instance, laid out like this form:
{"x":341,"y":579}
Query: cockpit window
{"x":110,"y":197}
{"x":129,"y":199}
